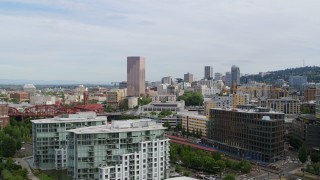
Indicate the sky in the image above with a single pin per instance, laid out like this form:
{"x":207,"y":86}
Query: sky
{"x":85,"y":40}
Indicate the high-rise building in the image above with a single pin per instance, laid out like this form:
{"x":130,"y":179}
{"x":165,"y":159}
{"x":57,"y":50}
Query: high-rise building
{"x":235,"y":76}
{"x":227,"y":80}
{"x":131,"y":149}
{"x":217,"y":76}
{"x":208,"y":72}
{"x":318,"y":100}
{"x":188,"y":78}
{"x":166,"y":80}
{"x":135,"y":76}
{"x":50,"y":138}
{"x":247,"y":133}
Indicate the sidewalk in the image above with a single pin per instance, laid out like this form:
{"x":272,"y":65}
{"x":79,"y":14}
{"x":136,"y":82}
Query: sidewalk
{"x":24,"y":164}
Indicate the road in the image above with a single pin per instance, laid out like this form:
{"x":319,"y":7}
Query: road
{"x":24,"y":164}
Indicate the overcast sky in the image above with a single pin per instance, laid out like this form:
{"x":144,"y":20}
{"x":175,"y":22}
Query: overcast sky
{"x":89,"y":40}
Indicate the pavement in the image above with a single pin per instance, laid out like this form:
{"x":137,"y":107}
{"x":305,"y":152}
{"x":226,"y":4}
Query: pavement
{"x":24,"y":164}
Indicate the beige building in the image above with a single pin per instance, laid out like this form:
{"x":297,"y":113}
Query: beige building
{"x":195,"y":122}
{"x":115,"y":97}
{"x":284,"y":105}
{"x":136,"y":76}
{"x":207,"y":106}
{"x":164,"y":98}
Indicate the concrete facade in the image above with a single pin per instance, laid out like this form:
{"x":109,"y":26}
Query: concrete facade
{"x":135,"y":76}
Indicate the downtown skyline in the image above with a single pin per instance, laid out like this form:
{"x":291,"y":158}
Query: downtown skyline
{"x":48,"y":40}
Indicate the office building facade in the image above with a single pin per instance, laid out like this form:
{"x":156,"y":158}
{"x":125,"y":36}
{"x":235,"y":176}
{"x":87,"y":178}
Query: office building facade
{"x":188,"y":78}
{"x":135,"y":76}
{"x":132,"y":149}
{"x":217,"y":76}
{"x":195,"y":123}
{"x":227,"y":79}
{"x":252,"y":134}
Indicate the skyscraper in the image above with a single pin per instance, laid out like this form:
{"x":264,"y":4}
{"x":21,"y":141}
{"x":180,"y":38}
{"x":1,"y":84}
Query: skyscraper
{"x":208,"y":72}
{"x":227,"y":80}
{"x":217,"y":76}
{"x":235,"y":76}
{"x":135,"y":76}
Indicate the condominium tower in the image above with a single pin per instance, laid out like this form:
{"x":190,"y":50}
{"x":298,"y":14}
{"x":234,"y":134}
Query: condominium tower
{"x":188,"y":78}
{"x":131,"y":149}
{"x":50,"y":138}
{"x":135,"y":76}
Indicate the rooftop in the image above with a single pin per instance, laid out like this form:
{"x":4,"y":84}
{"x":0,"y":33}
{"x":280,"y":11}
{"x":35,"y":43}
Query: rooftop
{"x":121,"y":126}
{"x":67,"y":118}
{"x":255,"y":110}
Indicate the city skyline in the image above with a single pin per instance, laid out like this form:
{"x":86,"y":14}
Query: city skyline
{"x":48,"y":40}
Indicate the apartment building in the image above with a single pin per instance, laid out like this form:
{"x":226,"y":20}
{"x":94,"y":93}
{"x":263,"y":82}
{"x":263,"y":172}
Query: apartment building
{"x":166,"y":106}
{"x":131,"y":149}
{"x":197,"y":123}
{"x":115,"y":97}
{"x":252,"y":134}
{"x":50,"y":138}
{"x":20,"y":96}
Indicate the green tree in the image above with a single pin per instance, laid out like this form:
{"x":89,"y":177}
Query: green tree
{"x":192,"y":99}
{"x":200,"y":133}
{"x":229,"y":177}
{"x":167,"y":125}
{"x":144,"y":100}
{"x":152,"y":113}
{"x":178,"y":127}
{"x":245,"y":166}
{"x":216,"y":156}
{"x":108,"y":108}
{"x":193,"y":132}
{"x":8,"y":147}
{"x":178,"y":168}
{"x":187,"y":173}
{"x":315,"y":157}
{"x":303,"y":154}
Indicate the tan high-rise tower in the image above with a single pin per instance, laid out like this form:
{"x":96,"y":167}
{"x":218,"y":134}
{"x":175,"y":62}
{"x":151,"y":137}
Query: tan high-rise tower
{"x":135,"y":76}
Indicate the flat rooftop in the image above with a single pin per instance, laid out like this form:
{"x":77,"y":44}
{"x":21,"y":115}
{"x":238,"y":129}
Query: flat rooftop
{"x":120,"y":126}
{"x":68,"y":120}
{"x":248,"y":110}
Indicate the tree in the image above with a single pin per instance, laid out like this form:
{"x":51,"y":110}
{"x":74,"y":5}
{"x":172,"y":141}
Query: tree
{"x":178,"y":168}
{"x":200,"y":133}
{"x":192,"y":99}
{"x":216,"y":156}
{"x":108,"y":108}
{"x":144,"y":100}
{"x":178,"y":127}
{"x":229,"y":177}
{"x":8,"y":147}
{"x":167,"y":124}
{"x":152,"y":113}
{"x":315,"y":157}
{"x":193,"y":132}
{"x":303,"y":154}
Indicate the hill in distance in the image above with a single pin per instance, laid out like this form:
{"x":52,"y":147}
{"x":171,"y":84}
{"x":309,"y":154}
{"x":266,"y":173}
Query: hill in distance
{"x":311,"y":72}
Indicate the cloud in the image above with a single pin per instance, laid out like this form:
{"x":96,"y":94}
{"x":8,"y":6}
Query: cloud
{"x":92,"y":40}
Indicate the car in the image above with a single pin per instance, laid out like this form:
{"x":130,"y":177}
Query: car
{"x":22,"y":148}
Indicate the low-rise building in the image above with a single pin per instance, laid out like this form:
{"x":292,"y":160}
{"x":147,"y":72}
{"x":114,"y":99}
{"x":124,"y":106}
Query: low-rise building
{"x":20,"y":96}
{"x":132,"y":149}
{"x":195,"y":123}
{"x":166,"y":106}
{"x":42,"y":100}
{"x":50,"y":138}
{"x":284,"y":105}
